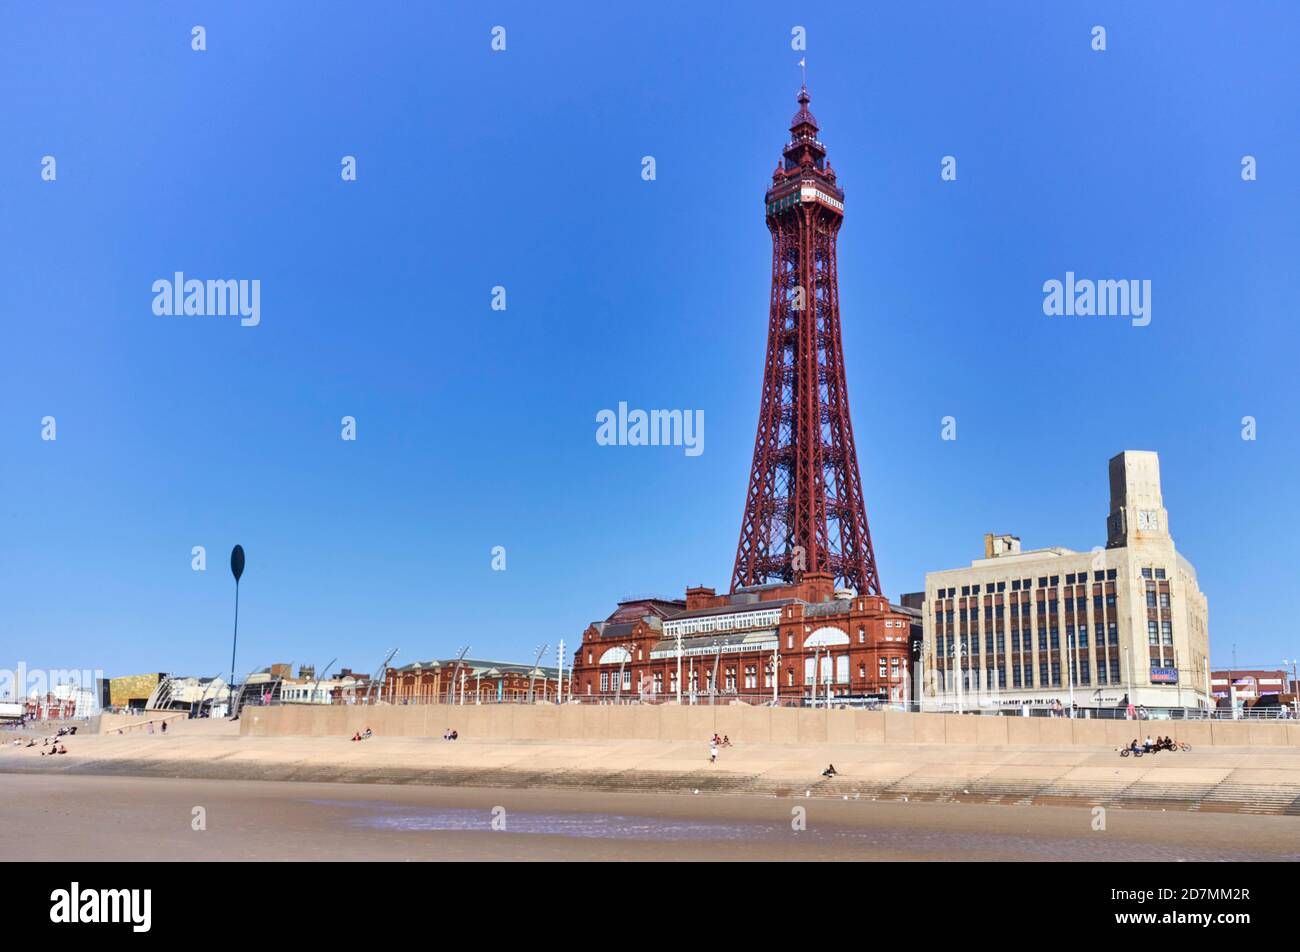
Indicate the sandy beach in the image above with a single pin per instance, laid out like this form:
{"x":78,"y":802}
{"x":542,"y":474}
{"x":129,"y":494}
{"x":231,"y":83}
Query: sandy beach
{"x":67,"y":817}
{"x":1220,"y":779}
{"x":136,"y":796}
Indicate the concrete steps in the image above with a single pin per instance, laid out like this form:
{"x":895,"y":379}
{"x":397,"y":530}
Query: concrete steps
{"x":1241,"y":781}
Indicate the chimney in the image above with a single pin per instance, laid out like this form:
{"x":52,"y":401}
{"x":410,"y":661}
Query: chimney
{"x":700,"y":597}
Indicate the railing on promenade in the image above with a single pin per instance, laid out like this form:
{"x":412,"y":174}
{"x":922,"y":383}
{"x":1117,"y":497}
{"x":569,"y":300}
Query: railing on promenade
{"x":628,"y":698}
{"x":751,"y":699}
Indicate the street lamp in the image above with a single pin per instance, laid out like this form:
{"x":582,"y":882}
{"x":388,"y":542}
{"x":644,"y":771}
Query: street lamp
{"x":713,"y":682}
{"x":237,"y":570}
{"x":775,"y":667}
{"x":679,"y":664}
{"x":451,"y":680}
{"x":532,"y":675}
{"x":559,"y":685}
{"x":1073,"y":660}
{"x":957,"y":653}
{"x":628,"y":648}
{"x":1295,"y":685}
{"x":816,"y":658}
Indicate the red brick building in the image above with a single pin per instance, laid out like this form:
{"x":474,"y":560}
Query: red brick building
{"x":468,"y":681}
{"x":794,"y":642}
{"x":1251,"y":685}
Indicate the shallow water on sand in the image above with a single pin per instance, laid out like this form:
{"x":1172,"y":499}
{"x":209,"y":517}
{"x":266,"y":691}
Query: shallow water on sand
{"x":932,"y":844}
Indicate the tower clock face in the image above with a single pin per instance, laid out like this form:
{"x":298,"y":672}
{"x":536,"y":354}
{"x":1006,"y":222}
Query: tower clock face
{"x":1147,"y":519}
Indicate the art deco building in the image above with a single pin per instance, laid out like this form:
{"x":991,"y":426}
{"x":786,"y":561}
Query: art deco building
{"x":1127,"y":623}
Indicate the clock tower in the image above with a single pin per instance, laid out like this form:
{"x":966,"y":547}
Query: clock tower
{"x":1137,"y":512}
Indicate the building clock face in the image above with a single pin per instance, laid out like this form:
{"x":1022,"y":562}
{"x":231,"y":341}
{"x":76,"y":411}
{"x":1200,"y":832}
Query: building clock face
{"x":1147,"y":519}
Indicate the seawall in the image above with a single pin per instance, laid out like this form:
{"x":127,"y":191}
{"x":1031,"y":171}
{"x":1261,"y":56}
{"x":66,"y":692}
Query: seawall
{"x":746,"y":724}
{"x":1239,"y":780}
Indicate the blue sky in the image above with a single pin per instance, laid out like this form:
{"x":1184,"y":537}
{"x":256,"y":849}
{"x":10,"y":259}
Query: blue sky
{"x":476,"y":428}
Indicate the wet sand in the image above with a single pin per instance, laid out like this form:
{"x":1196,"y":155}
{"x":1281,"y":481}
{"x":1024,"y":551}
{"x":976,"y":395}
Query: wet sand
{"x":67,"y":817}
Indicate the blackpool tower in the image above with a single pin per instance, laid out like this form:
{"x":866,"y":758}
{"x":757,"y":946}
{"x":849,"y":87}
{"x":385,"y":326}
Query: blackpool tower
{"x":804,"y":510}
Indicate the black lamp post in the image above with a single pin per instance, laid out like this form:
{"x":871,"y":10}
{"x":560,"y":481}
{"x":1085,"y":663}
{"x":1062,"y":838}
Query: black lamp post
{"x":236,"y":569}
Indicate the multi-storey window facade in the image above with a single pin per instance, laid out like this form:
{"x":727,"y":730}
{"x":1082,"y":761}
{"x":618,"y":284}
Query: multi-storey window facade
{"x":1124,"y":622}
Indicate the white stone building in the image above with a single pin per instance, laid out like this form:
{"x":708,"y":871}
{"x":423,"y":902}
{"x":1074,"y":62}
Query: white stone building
{"x":1025,"y":628}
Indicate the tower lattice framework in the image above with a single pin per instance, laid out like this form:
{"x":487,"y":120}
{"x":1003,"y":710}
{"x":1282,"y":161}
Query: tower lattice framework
{"x":804,"y":509}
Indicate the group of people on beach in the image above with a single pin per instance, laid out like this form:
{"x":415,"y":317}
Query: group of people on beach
{"x":1149,"y":746}
{"x":58,"y":748}
{"x":450,"y":734}
{"x":366,"y":736}
{"x":715,"y":743}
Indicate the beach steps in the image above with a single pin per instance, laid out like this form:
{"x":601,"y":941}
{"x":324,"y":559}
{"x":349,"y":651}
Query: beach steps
{"x":1245,"y":780}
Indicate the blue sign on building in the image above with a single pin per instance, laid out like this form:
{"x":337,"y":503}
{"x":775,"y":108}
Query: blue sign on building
{"x":1164,"y":675}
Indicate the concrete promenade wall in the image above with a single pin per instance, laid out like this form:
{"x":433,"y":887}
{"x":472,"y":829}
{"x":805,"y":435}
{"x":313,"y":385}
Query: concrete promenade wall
{"x":111,"y":723}
{"x":744,"y":724}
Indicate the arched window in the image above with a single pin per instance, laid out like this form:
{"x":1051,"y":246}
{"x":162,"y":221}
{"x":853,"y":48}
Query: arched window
{"x":616,"y":655}
{"x":828,"y":635}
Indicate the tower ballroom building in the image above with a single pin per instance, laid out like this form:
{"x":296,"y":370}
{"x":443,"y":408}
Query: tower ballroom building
{"x":805,"y":620}
{"x":1101,"y":629}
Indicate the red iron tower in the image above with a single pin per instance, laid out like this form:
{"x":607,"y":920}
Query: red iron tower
{"x":804,"y":510}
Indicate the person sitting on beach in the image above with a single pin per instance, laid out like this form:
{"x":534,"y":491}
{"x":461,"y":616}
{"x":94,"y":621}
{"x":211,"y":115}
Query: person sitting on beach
{"x":716,"y":739}
{"x":726,"y":741}
{"x":446,"y":735}
{"x":455,"y":735}
{"x":164,"y":727}
{"x":32,"y":742}
{"x":356,"y":736}
{"x":368,"y":733}
{"x":61,"y":750}
{"x":830,"y":771}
